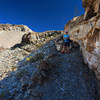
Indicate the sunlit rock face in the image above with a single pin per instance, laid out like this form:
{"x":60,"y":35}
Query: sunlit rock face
{"x":92,"y":8}
{"x":87,"y":34}
{"x":11,"y":35}
{"x":14,"y":27}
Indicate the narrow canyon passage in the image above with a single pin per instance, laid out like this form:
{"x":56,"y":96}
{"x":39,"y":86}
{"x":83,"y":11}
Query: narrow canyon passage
{"x":69,"y":80}
{"x":72,"y":80}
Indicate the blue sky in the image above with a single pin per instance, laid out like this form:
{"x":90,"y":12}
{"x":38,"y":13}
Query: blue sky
{"x":40,"y":15}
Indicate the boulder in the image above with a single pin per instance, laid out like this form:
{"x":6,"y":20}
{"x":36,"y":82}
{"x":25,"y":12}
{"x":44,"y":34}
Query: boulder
{"x":59,"y":43}
{"x":31,"y":37}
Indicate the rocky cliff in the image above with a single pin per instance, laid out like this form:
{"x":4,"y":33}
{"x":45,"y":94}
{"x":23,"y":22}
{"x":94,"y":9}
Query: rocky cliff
{"x":11,"y":35}
{"x":92,"y":8}
{"x":87,"y":34}
{"x":14,"y":27}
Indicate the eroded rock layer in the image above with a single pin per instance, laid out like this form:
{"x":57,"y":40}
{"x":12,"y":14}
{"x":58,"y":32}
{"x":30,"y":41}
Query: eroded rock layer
{"x":11,"y":35}
{"x":92,"y":8}
{"x":87,"y":34}
{"x":14,"y":27}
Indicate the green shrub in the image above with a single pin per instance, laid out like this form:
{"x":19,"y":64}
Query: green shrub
{"x":37,"y":57}
{"x":2,"y":95}
{"x":21,"y":73}
{"x":39,"y":45}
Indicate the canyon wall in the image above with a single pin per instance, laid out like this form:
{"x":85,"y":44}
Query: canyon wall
{"x":92,"y":8}
{"x":87,"y":34}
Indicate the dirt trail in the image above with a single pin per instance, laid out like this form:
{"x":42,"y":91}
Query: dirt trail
{"x":72,"y":80}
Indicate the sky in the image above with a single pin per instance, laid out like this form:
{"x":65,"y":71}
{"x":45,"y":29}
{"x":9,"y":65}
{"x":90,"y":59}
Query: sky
{"x":40,"y":15}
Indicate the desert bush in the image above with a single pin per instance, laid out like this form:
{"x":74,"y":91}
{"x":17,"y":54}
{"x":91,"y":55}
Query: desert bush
{"x":21,"y":73}
{"x":5,"y":95}
{"x":37,"y":57}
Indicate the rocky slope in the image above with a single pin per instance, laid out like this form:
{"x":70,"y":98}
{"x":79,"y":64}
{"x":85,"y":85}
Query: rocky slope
{"x":38,"y":71}
{"x":11,"y":56}
{"x":33,"y":69}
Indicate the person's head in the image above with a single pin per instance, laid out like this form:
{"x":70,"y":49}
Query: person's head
{"x":66,"y":28}
{"x":66,"y":32}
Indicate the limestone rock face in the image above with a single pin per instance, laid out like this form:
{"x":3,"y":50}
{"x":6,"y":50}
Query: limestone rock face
{"x":14,"y":27}
{"x":11,"y":35}
{"x":92,"y":8}
{"x":87,"y":34}
{"x":31,"y":37}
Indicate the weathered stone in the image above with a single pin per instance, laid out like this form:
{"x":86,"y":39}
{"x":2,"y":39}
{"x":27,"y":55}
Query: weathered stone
{"x":31,"y":37}
{"x":11,"y":35}
{"x":98,"y":69}
{"x":14,"y":27}
{"x":59,"y":43}
{"x":92,"y":7}
{"x":87,"y":35}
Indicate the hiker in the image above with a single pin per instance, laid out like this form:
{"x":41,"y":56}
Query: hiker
{"x":66,"y":42}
